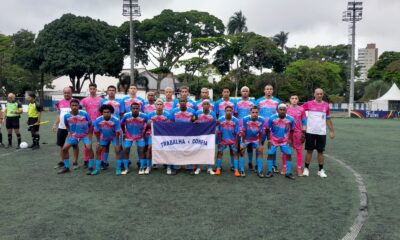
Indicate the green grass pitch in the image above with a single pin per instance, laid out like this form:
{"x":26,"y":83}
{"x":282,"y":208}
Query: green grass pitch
{"x":36,"y":203}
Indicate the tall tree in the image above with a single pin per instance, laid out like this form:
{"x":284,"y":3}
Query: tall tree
{"x":237,"y":23}
{"x":281,"y":39}
{"x":81,"y":48}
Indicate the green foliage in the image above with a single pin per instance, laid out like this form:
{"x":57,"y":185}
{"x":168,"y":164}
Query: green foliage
{"x":378,"y":71}
{"x":280,"y":39}
{"x":237,"y":23}
{"x":375,"y":89}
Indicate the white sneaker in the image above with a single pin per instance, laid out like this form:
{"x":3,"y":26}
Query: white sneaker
{"x":321,"y":173}
{"x":169,"y":171}
{"x":147,"y":171}
{"x":197,"y":172}
{"x":141,"y":171}
{"x":210,"y":171}
{"x":124,"y":172}
{"x":306,"y":173}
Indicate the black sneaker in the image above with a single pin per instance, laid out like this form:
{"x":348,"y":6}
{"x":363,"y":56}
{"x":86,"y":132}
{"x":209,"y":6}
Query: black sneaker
{"x":250,"y":166}
{"x":75,"y":165}
{"x":255,"y":168}
{"x":104,"y":165}
{"x":242,"y":174}
{"x":90,"y":170}
{"x":269,"y":175}
{"x":59,"y":165}
{"x":85,"y":164}
{"x":275,"y":169}
{"x":232,"y":169}
{"x":289,"y":175}
{"x":260,"y":174}
{"x":63,"y":170}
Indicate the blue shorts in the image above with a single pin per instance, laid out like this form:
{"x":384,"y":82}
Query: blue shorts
{"x":253,"y":145}
{"x":105,"y":143}
{"x":286,"y":149}
{"x":75,"y":141}
{"x":139,"y":142}
{"x":147,"y":140}
{"x":232,"y":147}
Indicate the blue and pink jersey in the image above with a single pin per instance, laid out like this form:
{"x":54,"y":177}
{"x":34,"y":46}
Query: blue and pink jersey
{"x":127,"y":102}
{"x":268,"y":107}
{"x":164,"y":117}
{"x":299,"y":116}
{"x":252,"y":130}
{"x":244,"y":108}
{"x":202,"y":117}
{"x":149,"y":107}
{"x":228,"y":129}
{"x":134,"y":126}
{"x":221,"y":104}
{"x":116,"y":104}
{"x":190,"y":104}
{"x":107,"y":129}
{"x":179,"y":116}
{"x":280,"y":129}
{"x":92,"y":106}
{"x":199,"y":104}
{"x":78,"y":125}
{"x":317,"y":114}
{"x":169,"y":105}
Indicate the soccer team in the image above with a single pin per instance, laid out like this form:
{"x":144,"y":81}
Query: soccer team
{"x":243,"y":125}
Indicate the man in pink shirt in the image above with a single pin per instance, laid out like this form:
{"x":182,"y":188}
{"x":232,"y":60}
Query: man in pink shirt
{"x":91,"y":104}
{"x":318,"y":118}
{"x":298,"y":114}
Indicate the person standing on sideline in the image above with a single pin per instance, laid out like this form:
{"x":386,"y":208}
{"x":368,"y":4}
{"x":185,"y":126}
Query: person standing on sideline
{"x":318,"y":118}
{"x":1,"y":123}
{"x":34,"y":113}
{"x":13,"y":114}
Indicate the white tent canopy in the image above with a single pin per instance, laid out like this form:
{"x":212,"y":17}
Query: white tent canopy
{"x":382,"y":103}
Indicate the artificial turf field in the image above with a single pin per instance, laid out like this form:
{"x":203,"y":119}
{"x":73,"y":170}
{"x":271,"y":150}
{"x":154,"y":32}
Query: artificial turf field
{"x":36,"y":203}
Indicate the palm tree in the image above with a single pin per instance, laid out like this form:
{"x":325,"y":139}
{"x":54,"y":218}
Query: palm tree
{"x":237,"y":23}
{"x":281,"y":39}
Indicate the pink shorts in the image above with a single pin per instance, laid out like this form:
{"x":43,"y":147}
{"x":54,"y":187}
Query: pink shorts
{"x":297,"y":144}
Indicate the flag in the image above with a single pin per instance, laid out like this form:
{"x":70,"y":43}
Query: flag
{"x":183,"y":143}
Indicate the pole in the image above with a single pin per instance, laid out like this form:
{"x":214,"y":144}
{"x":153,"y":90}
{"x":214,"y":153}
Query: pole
{"x":131,"y":43}
{"x":353,"y":51}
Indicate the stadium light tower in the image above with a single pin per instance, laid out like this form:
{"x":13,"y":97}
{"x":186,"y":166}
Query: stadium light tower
{"x":131,"y":8}
{"x":352,"y":15}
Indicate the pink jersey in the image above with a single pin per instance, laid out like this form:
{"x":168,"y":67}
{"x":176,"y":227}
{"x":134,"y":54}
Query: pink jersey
{"x":317,"y":114}
{"x":169,"y":105}
{"x":92,"y":105}
{"x":63,"y":107}
{"x":148,"y":108}
{"x":299,"y":116}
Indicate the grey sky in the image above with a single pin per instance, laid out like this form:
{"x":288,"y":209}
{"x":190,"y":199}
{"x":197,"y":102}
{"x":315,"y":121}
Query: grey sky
{"x":310,"y":22}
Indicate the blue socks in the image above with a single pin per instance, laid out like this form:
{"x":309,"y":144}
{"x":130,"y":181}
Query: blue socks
{"x":105,"y":157}
{"x":274,"y":160}
{"x":118,"y":167}
{"x":148,"y":163}
{"x":259,"y":165}
{"x":232,"y":161}
{"x":91,"y":163}
{"x":235,"y":164}
{"x":142,"y":163}
{"x":66,"y":163}
{"x":241,"y":164}
{"x":98,"y":165}
{"x":126,"y":163}
{"x":250,"y":156}
{"x":288,"y":167}
{"x":219,"y":163}
{"x":270,"y":163}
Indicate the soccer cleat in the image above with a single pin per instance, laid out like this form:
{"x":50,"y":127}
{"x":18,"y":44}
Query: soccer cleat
{"x":104,"y":166}
{"x":90,"y":171}
{"x":242,"y":174}
{"x":322,"y":173}
{"x":218,"y":172}
{"x":250,"y":166}
{"x":118,"y":172}
{"x":197,"y":172}
{"x":147,"y":171}
{"x":306,"y":172}
{"x":283,"y":171}
{"x":85,"y":164}
{"x":63,"y":170}
{"x":169,"y":171}
{"x":95,"y":172}
{"x":289,"y":176}
{"x":236,"y":173}
{"x":124,"y":172}
{"x":260,"y":174}
{"x":255,"y":168}
{"x":299,"y":172}
{"x":141,"y":171}
{"x":59,"y":165}
{"x":75,"y":165}
{"x":269,"y":175}
{"x":210,"y":171}
{"x":232,"y":169}
{"x":275,"y":169}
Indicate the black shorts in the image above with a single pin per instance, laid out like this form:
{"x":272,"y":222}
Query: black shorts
{"x":12,"y":122}
{"x":34,"y":128}
{"x":315,"y":142}
{"x":62,"y":135}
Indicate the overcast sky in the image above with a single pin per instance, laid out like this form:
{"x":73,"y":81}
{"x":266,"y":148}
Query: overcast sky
{"x":309,"y":22}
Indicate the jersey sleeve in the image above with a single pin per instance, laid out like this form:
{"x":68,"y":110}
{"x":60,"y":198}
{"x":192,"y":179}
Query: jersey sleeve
{"x":96,"y":126}
{"x":328,"y":111}
{"x":236,"y":126}
{"x":305,"y":106}
{"x":269,"y":123}
{"x":303,"y":118}
{"x":117,"y":125}
{"x":66,"y":116}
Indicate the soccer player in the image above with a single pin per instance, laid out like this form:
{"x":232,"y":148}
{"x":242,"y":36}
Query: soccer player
{"x":169,"y":102}
{"x":244,"y":106}
{"x":107,"y":130}
{"x":13,"y":113}
{"x":279,"y":127}
{"x":77,"y":123}
{"x":204,"y":96}
{"x":134,"y":125}
{"x":298,"y":114}
{"x":1,"y":123}
{"x":64,"y":107}
{"x":253,"y":127}
{"x":149,"y":105}
{"x":268,"y":106}
{"x":228,"y":129}
{"x":205,"y":114}
{"x":91,"y":104}
{"x":184,"y":92}
{"x":183,"y":114}
{"x":127,"y":101}
{"x":34,"y":112}
{"x":318,"y":117}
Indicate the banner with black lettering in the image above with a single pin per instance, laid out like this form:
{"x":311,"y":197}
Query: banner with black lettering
{"x":183,"y":143}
